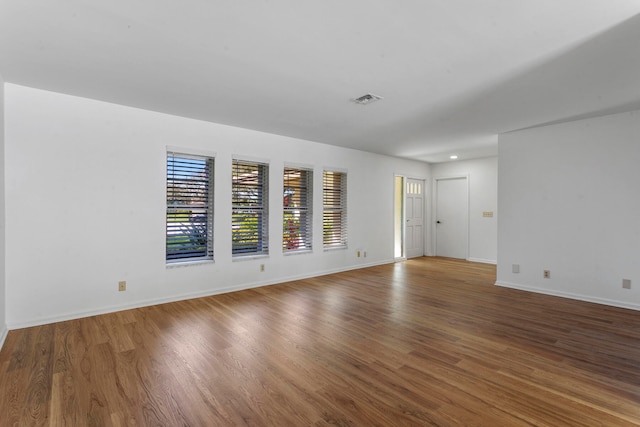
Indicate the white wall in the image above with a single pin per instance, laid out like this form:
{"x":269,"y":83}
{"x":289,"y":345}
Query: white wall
{"x":85,"y":206}
{"x":569,"y":202}
{"x":483,"y":197}
{"x":3,"y":317}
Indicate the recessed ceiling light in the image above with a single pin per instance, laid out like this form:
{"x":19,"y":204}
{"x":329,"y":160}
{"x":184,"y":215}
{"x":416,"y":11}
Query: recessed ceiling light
{"x":366,"y":99}
{"x":453,"y":157}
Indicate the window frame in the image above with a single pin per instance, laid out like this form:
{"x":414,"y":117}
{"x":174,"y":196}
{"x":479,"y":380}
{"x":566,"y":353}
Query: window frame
{"x":177,"y":166}
{"x":244,"y":243}
{"x":334,"y":204}
{"x":297,"y":204}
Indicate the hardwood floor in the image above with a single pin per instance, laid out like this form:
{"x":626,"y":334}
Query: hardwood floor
{"x":423,"y":342}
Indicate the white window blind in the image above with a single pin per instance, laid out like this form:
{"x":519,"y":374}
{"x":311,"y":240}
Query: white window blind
{"x":297,"y":210}
{"x":334,"y":214}
{"x":189,"y":230}
{"x":250,"y":215}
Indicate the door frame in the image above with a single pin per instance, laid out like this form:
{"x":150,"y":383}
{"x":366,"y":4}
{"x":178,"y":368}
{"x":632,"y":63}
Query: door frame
{"x":425,"y":214}
{"x":403,"y":255}
{"x":434,"y":212}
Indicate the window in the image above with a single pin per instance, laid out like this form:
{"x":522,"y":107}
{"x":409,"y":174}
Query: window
{"x":334,"y":214}
{"x":189,"y":232}
{"x":297,"y":212}
{"x":250,"y":214}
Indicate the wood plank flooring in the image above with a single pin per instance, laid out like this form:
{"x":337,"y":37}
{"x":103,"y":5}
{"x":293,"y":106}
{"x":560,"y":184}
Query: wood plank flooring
{"x":429,"y":341}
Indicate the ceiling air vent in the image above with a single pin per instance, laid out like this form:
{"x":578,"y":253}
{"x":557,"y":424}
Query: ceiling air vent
{"x":366,"y":99}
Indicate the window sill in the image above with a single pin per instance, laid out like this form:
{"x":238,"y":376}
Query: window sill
{"x":249,"y":257}
{"x":335,"y":248}
{"x":300,"y":252}
{"x":180,"y":264}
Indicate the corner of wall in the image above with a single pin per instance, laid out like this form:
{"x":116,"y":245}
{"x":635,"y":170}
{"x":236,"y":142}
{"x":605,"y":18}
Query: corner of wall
{"x":551,"y":209}
{"x":3,"y":293}
{"x":3,"y":336}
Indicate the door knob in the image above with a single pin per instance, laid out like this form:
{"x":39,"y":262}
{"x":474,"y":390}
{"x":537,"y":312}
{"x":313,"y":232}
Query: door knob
{"x":438,"y":222}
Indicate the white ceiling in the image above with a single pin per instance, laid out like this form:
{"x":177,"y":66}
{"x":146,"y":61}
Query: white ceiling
{"x":453,"y":73}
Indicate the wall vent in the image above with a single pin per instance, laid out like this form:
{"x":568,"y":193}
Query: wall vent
{"x":366,"y":99}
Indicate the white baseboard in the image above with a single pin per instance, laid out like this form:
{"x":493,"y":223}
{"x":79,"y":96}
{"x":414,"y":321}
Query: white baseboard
{"x":3,"y":335}
{"x":180,"y":297}
{"x":482,"y":260}
{"x":579,"y":297}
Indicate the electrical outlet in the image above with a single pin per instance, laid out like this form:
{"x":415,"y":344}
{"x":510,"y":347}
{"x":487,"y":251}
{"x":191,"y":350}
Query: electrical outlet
{"x":261,"y":268}
{"x":515,"y":268}
{"x":122,"y":286}
{"x":626,"y":283}
{"x":358,"y":254}
{"x":547,"y":274}
{"x":365,"y":254}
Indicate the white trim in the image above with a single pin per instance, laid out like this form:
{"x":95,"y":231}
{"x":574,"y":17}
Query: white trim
{"x":248,"y":257}
{"x":482,"y":260}
{"x":181,"y":297}
{"x":190,"y":151}
{"x":335,"y":248}
{"x":294,"y":165}
{"x":434,"y":208}
{"x":297,"y":252}
{"x":189,"y":263}
{"x":579,"y":297}
{"x":337,"y":170}
{"x":250,"y":159}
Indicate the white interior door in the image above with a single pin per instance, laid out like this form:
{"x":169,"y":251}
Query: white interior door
{"x":414,"y":229}
{"x":451,"y":217}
